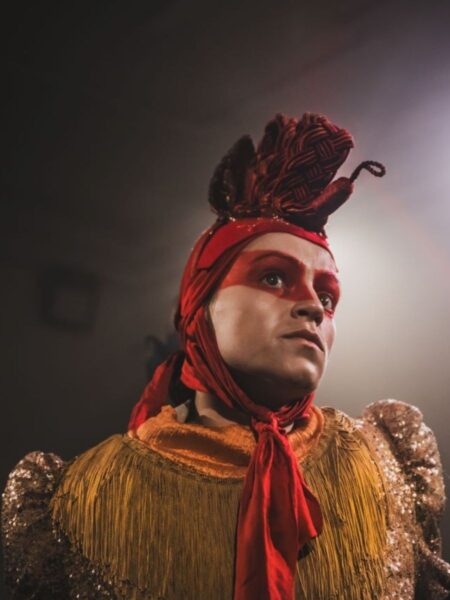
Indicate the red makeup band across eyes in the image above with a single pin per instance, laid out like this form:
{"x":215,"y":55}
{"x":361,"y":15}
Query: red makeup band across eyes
{"x":252,"y":266}
{"x":326,"y":281}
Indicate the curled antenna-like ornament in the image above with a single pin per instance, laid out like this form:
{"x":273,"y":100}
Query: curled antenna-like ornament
{"x":374,"y":167}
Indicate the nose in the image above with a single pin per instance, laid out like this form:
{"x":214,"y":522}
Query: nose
{"x":311,"y":309}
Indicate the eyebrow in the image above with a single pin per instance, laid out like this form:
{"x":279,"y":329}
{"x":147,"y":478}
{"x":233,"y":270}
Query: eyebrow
{"x":329,"y":274}
{"x":296,"y":262}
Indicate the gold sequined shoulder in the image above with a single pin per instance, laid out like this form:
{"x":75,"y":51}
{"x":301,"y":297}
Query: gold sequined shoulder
{"x":415,"y":447}
{"x":408,"y":454}
{"x":24,"y":522}
{"x":39,"y":562}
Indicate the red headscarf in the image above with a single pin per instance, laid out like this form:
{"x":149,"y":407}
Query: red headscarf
{"x":286,"y":180}
{"x":278,"y":513}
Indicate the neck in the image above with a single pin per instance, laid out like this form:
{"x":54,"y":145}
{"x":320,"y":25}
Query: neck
{"x":214,"y":413}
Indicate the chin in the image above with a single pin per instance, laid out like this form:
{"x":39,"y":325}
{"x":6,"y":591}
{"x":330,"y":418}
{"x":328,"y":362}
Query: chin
{"x":301,"y":386}
{"x":278,"y":384}
{"x":305,"y":377}
{"x":285,"y":386}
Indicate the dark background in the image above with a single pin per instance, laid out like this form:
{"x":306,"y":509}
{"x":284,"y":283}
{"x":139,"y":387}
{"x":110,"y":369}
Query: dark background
{"x":114,"y":116}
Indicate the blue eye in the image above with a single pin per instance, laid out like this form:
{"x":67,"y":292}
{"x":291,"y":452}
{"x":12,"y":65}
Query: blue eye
{"x":273,"y":280}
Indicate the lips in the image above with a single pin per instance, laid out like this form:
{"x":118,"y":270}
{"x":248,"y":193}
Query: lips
{"x":307,"y":335}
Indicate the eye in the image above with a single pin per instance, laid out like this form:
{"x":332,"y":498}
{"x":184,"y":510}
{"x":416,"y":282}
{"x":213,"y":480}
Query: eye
{"x":327,"y":301}
{"x":273,"y":280}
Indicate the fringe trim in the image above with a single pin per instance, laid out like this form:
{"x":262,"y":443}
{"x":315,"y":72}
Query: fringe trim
{"x":158,"y":530}
{"x":153,"y":529}
{"x":347,"y":560}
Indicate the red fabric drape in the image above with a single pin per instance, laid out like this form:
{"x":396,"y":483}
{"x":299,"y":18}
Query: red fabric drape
{"x":278,"y":513}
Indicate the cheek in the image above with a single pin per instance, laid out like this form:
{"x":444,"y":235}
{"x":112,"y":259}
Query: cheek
{"x":328,"y":328}
{"x":238,"y":315}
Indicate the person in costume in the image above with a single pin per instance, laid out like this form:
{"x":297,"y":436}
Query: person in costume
{"x":230,"y":483}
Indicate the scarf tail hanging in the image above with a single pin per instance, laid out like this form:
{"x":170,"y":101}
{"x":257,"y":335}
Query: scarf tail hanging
{"x":268,"y":572}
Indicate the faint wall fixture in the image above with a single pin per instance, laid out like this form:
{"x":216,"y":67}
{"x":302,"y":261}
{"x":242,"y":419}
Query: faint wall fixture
{"x":69,"y":298}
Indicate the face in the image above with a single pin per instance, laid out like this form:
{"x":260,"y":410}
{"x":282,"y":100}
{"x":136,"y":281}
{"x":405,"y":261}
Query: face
{"x":273,"y":316}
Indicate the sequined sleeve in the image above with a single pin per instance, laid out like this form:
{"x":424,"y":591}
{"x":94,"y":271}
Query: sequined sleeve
{"x":40,"y":562}
{"x":415,"y":448}
{"x":30,"y":552}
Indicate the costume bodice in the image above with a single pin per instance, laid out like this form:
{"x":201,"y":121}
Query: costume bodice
{"x":154,"y":515}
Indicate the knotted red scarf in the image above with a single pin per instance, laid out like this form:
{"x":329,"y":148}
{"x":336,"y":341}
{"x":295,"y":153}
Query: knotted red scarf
{"x":278,"y":514}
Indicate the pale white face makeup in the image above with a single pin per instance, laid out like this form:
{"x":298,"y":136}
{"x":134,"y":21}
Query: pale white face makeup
{"x":273,"y":317}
